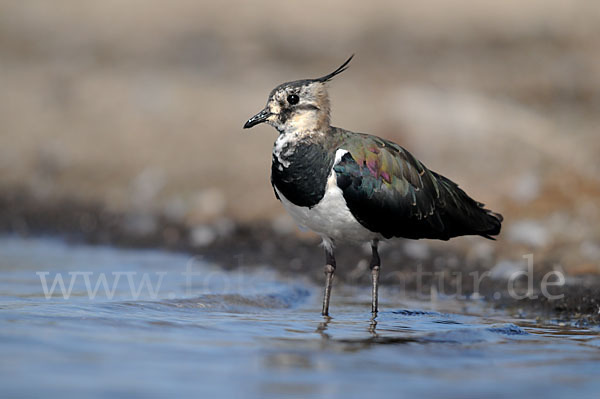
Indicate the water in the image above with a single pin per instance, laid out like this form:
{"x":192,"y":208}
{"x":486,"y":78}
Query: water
{"x":205,"y":332}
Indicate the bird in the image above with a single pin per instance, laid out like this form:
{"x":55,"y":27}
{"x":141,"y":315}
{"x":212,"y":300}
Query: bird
{"x":358,"y":188}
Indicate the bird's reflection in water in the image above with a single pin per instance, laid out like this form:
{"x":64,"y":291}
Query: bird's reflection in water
{"x":373,"y":326}
{"x":373,"y":337}
{"x":322,"y":327}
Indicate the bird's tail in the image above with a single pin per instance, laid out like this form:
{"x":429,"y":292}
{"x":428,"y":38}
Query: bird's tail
{"x":465,"y":216}
{"x":494,"y":223}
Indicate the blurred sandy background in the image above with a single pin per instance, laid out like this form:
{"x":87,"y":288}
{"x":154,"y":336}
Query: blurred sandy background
{"x":138,"y":105}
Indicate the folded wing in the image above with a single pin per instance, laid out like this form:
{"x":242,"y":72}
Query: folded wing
{"x":390,"y":192}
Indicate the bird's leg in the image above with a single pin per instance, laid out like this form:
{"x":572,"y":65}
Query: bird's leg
{"x":329,"y":270}
{"x":375,"y":265}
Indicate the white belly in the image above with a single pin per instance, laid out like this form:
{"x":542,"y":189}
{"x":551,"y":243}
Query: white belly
{"x":330,"y":218}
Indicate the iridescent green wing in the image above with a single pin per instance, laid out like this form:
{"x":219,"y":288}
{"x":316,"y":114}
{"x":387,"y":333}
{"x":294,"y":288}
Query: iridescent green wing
{"x":390,"y":192}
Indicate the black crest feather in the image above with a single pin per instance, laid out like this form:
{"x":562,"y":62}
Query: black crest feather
{"x":341,"y":69}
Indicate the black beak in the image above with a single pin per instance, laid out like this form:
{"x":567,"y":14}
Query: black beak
{"x":258,"y":118}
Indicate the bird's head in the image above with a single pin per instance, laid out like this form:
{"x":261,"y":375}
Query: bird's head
{"x":299,"y":106}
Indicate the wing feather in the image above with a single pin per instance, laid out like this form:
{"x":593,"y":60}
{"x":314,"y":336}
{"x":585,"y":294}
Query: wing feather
{"x":391,"y":192}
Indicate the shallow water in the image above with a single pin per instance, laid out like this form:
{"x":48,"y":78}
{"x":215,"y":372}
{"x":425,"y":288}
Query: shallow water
{"x":205,"y":332}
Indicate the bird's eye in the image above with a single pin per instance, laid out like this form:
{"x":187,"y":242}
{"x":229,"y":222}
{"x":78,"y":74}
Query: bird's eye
{"x":293,"y":99}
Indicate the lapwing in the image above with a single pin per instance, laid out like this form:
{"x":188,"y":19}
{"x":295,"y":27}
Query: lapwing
{"x":355,"y":187}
